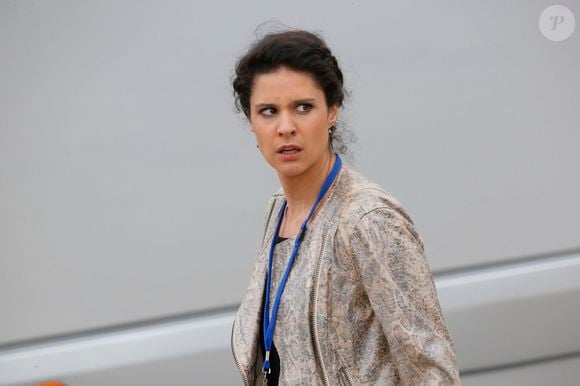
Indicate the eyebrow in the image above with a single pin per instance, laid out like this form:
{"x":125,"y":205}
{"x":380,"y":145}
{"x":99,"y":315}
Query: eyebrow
{"x":296,"y":102}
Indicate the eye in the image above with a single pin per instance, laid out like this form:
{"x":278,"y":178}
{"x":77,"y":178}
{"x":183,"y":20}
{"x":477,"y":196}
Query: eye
{"x":264,"y":111}
{"x":307,"y":106}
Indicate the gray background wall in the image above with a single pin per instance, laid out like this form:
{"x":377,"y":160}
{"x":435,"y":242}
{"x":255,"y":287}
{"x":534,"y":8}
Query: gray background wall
{"x":119,"y":145}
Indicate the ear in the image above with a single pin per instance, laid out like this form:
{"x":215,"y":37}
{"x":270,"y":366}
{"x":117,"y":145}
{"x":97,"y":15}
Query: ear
{"x":333,"y":113}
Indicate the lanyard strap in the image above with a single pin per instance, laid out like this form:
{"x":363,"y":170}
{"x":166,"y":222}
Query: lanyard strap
{"x":270,"y":322}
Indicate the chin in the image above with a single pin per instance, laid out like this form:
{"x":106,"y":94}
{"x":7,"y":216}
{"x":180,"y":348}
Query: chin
{"x":290,"y":169}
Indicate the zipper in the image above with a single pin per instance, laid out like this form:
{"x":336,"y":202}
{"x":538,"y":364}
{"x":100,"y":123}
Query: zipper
{"x":313,"y":319}
{"x":347,"y":376}
{"x":236,"y":360}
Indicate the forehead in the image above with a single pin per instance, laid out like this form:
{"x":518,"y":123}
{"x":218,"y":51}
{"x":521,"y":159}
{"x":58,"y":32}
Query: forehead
{"x":284,"y":84}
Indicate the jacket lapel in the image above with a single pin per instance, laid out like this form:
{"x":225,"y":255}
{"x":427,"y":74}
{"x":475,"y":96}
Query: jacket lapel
{"x":246,"y":331}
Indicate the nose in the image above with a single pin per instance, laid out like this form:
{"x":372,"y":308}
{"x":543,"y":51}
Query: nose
{"x":286,"y":126}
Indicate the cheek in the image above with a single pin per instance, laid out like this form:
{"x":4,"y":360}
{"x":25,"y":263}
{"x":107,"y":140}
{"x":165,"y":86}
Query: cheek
{"x":322,"y":131}
{"x":262,"y":135}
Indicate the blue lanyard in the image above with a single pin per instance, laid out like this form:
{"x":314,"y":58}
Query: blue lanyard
{"x":270,"y":322}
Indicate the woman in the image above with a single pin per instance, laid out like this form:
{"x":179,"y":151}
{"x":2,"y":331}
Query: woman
{"x":341,"y":293}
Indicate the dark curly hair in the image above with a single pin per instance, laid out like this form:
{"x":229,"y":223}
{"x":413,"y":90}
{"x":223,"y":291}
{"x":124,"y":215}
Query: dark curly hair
{"x":301,"y":51}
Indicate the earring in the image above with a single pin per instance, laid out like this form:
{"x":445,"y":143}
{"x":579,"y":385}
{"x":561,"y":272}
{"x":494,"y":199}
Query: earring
{"x":257,"y":146}
{"x":331,"y":127}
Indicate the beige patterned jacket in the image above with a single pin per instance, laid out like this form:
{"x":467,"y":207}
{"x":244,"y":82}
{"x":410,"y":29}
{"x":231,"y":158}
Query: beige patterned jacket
{"x":372,"y":308}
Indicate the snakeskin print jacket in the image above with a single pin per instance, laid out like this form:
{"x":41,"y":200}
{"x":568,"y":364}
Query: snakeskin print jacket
{"x":364,"y":312}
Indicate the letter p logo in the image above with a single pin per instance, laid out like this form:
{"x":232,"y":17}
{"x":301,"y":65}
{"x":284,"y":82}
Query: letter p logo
{"x":556,"y":20}
{"x":557,"y":23}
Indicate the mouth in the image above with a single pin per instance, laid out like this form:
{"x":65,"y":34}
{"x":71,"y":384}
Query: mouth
{"x":289,"y":149}
{"x":289,"y":152}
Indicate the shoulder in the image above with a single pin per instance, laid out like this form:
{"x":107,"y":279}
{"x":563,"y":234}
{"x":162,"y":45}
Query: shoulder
{"x":275,"y":198}
{"x":363,"y":204}
{"x":366,"y":201}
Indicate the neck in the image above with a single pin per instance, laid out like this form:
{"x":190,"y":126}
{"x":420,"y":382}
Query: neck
{"x":301,"y":191}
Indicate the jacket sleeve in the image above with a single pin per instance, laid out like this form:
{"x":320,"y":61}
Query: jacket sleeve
{"x":389,"y":255}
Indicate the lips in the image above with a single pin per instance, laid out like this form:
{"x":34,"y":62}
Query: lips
{"x":291,"y":148}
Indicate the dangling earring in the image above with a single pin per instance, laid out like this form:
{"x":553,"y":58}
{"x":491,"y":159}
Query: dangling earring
{"x":331,"y":127}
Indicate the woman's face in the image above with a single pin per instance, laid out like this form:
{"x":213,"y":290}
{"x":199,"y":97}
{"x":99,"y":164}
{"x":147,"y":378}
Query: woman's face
{"x":288,"y":108}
